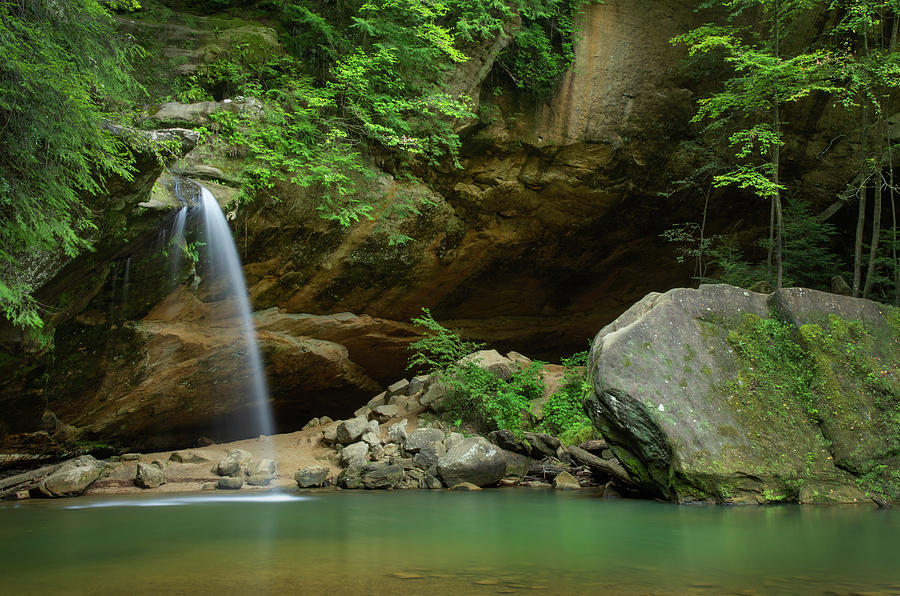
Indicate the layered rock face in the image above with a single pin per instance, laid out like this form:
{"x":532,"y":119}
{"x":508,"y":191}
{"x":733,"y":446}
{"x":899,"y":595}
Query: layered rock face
{"x":720,"y":394}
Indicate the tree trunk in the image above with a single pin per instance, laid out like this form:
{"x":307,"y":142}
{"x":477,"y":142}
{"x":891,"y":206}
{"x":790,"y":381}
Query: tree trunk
{"x":861,"y":212}
{"x":776,"y":156}
{"x":876,"y":215}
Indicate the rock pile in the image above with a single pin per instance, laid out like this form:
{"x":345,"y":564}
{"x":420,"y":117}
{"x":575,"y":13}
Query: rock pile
{"x":379,"y":449}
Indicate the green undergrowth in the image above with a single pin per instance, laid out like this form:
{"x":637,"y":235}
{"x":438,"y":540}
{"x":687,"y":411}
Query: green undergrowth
{"x":839,"y":375}
{"x":484,"y":402}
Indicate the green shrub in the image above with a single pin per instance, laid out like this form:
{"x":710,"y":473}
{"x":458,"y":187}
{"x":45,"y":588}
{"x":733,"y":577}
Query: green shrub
{"x":563,"y":412}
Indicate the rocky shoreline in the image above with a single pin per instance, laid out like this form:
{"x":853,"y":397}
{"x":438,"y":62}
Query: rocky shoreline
{"x":395,"y":441}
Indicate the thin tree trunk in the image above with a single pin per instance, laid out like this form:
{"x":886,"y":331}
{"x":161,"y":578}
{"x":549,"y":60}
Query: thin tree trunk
{"x":876,"y":215}
{"x":771,"y":239}
{"x":701,"y":266}
{"x":776,"y":156}
{"x":861,"y":212}
{"x":892,"y":47}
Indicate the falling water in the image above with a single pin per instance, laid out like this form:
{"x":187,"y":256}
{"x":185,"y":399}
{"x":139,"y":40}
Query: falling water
{"x":176,"y":245}
{"x":225,"y":262}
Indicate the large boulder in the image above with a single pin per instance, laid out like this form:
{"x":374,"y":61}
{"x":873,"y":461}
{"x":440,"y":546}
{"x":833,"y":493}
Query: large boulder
{"x":72,"y":478}
{"x":491,"y":361}
{"x":472,"y":460}
{"x":721,"y":394}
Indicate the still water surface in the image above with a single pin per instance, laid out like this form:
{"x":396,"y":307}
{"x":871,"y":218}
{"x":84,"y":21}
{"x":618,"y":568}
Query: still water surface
{"x":441,"y":542}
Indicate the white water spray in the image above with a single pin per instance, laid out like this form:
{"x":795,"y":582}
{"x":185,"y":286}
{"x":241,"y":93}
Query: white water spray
{"x":226,"y":265}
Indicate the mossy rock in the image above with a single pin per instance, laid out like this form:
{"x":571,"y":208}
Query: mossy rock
{"x":733,"y":396}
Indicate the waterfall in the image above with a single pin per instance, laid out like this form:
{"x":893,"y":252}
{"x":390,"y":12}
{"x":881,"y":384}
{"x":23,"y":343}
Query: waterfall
{"x":176,"y":244}
{"x":225,"y":267}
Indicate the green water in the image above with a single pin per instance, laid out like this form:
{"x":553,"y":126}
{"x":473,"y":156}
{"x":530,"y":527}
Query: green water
{"x":441,"y":542}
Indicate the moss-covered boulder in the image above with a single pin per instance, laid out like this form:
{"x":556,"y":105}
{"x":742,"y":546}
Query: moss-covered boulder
{"x":721,"y":394}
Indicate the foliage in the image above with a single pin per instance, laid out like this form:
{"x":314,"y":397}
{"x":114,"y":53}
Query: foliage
{"x":63,"y":71}
{"x":808,"y":260}
{"x":563,"y":412}
{"x":478,"y":398}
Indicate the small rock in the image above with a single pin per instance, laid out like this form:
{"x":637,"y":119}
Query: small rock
{"x":381,"y":476}
{"x":230,"y":482}
{"x":421,"y":437}
{"x":19,"y":495}
{"x":432,"y":482}
{"x":522,"y":361}
{"x":259,"y":479}
{"x":266,"y":466}
{"x":349,"y":431}
{"x":417,"y":384}
{"x":376,"y":452}
{"x":161,"y":464}
{"x":329,"y":435}
{"x":311,"y":477}
{"x":325,"y":420}
{"x":208,"y":486}
{"x":378,"y":400}
{"x":237,"y":462}
{"x":428,"y":455}
{"x":355,"y":454}
{"x":398,"y":388}
{"x":362,"y":412}
{"x":385,"y":413}
{"x":371,"y":438}
{"x":491,"y":361}
{"x":465,"y":486}
{"x":543,"y":443}
{"x":188,"y":457}
{"x":436,"y":394}
{"x":315,"y":422}
{"x":149,"y":476}
{"x":373,"y":427}
{"x":397,"y":432}
{"x":350,"y":477}
{"x":391,"y":449}
{"x":505,"y":439}
{"x":130,"y":456}
{"x":565,"y":481}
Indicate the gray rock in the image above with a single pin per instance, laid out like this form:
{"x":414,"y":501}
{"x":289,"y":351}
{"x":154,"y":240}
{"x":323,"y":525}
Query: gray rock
{"x":311,"y":477}
{"x":542,"y":443}
{"x":382,"y":476}
{"x":522,"y":361}
{"x":362,"y":412}
{"x":230,"y":482}
{"x":237,"y":462}
{"x":188,"y":457}
{"x":391,"y":449}
{"x":376,"y":452}
{"x":417,"y":384}
{"x":421,"y":437}
{"x":350,"y":477}
{"x":266,"y":466}
{"x":259,"y":479}
{"x":349,"y":431}
{"x":517,"y":465}
{"x":329,"y":434}
{"x":355,"y":454}
{"x":397,"y":432}
{"x":315,"y":422}
{"x":436,"y":395}
{"x":130,"y":456}
{"x":72,"y":478}
{"x":149,"y":476}
{"x":373,"y":427}
{"x":432,"y":482}
{"x":208,"y":486}
{"x":412,"y":479}
{"x":371,"y":438}
{"x":428,"y":456}
{"x":325,"y":420}
{"x":565,"y":481}
{"x":385,"y":413}
{"x":670,"y":395}
{"x":493,"y":362}
{"x":398,"y":388}
{"x":505,"y":439}
{"x":472,"y":460}
{"x":378,"y":400}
